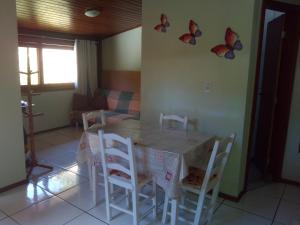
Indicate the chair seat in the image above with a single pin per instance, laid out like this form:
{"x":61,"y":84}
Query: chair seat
{"x":195,"y":178}
{"x":121,"y":176}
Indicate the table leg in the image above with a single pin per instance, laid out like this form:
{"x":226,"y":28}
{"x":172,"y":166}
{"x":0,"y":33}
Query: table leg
{"x":174,"y":211}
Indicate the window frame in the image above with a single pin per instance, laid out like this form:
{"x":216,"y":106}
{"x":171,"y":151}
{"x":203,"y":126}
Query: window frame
{"x":42,"y":87}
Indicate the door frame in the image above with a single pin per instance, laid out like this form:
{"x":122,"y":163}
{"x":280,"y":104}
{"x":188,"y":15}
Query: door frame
{"x":285,"y":89}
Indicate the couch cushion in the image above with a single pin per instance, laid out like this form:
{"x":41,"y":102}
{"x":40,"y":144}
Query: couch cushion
{"x":122,"y":101}
{"x":99,"y":102}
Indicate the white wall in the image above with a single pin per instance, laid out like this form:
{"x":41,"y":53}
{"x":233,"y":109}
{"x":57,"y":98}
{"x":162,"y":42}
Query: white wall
{"x":56,"y":106}
{"x":291,"y":166}
{"x":174,"y":74}
{"x":12,"y":160}
{"x":123,"y":51}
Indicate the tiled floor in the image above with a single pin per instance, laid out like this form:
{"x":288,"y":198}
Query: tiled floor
{"x":64,"y":197}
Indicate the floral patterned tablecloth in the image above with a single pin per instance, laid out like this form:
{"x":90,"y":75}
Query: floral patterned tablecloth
{"x":166,"y":154}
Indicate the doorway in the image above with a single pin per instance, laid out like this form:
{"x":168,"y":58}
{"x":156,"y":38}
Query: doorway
{"x":273,"y":93}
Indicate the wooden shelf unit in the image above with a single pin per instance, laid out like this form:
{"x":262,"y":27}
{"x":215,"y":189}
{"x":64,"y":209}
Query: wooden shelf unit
{"x":28,"y":112}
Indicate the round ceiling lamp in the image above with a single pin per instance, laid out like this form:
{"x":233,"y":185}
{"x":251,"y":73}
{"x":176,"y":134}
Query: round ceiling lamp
{"x":92,"y":12}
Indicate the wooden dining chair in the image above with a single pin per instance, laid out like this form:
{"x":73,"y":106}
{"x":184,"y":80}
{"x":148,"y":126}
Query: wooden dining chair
{"x":119,"y":169}
{"x":200,"y":183}
{"x":93,"y":119}
{"x":173,"y":118}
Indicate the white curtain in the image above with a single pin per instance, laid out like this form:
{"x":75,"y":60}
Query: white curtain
{"x":87,"y":80}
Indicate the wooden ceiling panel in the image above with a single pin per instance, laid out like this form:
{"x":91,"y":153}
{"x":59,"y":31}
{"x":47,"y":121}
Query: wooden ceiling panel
{"x":67,"y":16}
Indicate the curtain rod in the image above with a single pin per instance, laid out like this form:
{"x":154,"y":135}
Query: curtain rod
{"x":45,"y":36}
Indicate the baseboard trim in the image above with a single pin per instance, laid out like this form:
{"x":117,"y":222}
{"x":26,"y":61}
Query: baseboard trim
{"x":231,"y":197}
{"x":291,"y":182}
{"x":14,"y":185}
{"x":52,"y":129}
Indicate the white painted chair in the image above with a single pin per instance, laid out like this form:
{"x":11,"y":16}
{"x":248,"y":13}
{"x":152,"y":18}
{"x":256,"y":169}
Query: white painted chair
{"x":173,"y":118}
{"x":97,"y":118}
{"x":200,"y":184}
{"x":119,"y":168}
{"x":90,"y":120}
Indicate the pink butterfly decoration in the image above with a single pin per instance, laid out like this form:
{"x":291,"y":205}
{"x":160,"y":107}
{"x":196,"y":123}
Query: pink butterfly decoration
{"x":164,"y":24}
{"x":194,"y":32}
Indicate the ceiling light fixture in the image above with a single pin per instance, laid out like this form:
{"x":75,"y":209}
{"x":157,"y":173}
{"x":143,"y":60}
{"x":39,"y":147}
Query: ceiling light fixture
{"x":92,"y":12}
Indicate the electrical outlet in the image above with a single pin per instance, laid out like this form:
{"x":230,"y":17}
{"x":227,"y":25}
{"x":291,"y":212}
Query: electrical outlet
{"x":207,"y":86}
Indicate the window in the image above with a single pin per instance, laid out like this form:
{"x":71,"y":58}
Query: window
{"x":59,"y":66}
{"x":33,"y":65}
{"x":55,"y":67}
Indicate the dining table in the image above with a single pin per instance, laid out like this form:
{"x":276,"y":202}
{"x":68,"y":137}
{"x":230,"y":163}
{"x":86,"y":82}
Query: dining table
{"x":164,"y":153}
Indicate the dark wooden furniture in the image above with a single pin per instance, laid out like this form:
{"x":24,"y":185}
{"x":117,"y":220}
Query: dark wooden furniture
{"x":28,"y":112}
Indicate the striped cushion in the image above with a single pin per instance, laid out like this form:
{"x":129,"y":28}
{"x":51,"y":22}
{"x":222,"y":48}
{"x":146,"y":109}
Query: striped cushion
{"x":122,"y":101}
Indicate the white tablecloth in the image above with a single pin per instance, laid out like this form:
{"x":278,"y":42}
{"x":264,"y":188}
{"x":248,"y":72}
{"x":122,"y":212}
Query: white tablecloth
{"x":165,"y":154}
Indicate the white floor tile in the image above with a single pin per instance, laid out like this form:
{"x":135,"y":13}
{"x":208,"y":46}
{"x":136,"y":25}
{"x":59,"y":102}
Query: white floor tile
{"x":39,"y":173}
{"x":2,"y":215}
{"x":52,"y":153}
{"x":288,"y":213}
{"x":226,"y":215}
{"x":71,"y":132}
{"x":53,"y":138}
{"x":41,"y":145}
{"x":71,"y":146}
{"x":19,"y":198}
{"x":85,"y":219}
{"x":274,"y":190}
{"x":65,"y":160}
{"x":257,"y":203}
{"x":82,"y":196}
{"x":45,"y":136}
{"x":120,"y":218}
{"x":81,"y":170}
{"x":292,"y":194}
{"x":53,"y":211}
{"x":57,"y":183}
{"x":8,"y":221}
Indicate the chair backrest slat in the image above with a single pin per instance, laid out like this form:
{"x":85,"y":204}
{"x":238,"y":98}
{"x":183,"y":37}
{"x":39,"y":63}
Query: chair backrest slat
{"x":176,"y":118}
{"x":117,"y":152}
{"x":114,"y":137}
{"x":118,"y":167}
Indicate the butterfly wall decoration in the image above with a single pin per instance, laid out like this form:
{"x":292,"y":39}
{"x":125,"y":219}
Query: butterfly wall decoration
{"x":164,"y":24}
{"x":194,"y":32}
{"x":232,"y":43}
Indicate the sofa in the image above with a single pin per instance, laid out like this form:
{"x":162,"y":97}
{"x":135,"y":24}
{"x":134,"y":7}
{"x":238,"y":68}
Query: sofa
{"x":116,"y":104}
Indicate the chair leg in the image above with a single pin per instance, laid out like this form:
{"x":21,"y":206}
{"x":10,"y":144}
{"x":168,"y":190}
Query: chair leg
{"x":127,"y":192}
{"x":111,"y":187}
{"x":154,"y":199}
{"x":174,"y":211}
{"x":89,"y":164}
{"x":165,"y":211}
{"x":107,"y":201}
{"x":199,"y":209}
{"x":135,"y":207}
{"x":212,"y":204}
{"x":94,"y":184}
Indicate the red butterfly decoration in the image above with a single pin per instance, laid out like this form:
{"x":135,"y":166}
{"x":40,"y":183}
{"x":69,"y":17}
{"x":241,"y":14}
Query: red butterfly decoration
{"x":232,"y":43}
{"x":190,"y":38}
{"x":164,"y":23}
